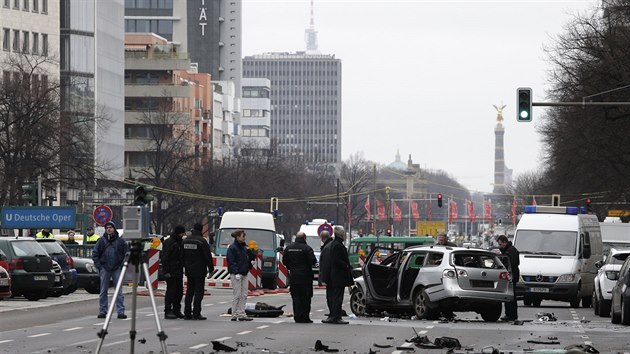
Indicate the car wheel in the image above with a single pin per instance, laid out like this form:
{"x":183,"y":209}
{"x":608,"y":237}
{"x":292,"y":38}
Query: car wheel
{"x":93,"y":289}
{"x":527,"y":301}
{"x":69,"y":290}
{"x":595,"y":304}
{"x":536,"y":303}
{"x":625,"y":313}
{"x":575,"y":302}
{"x":604,"y":307}
{"x":587,"y":301}
{"x":358,"y":302}
{"x":422,"y":308}
{"x":491,"y":312}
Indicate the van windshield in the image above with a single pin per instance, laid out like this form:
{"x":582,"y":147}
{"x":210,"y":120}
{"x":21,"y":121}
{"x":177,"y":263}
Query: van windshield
{"x":264,"y":238}
{"x":315,"y":242}
{"x":562,"y":243}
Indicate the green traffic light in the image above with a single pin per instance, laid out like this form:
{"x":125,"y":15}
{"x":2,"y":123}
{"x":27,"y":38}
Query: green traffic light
{"x":524,"y":114}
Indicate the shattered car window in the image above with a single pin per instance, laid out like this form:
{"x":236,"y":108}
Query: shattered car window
{"x":477,"y":261}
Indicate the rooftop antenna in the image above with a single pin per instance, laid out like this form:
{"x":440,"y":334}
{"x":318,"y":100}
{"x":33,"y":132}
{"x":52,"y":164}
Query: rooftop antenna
{"x":310,"y":34}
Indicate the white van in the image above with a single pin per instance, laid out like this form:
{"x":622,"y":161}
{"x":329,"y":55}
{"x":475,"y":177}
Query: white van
{"x":259,"y":227}
{"x":559,"y":249}
{"x":615,"y":235}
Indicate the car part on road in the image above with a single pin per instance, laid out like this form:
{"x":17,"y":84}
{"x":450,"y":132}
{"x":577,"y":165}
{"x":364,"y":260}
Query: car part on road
{"x":546,"y":316}
{"x":216,"y":345}
{"x":321,"y":347}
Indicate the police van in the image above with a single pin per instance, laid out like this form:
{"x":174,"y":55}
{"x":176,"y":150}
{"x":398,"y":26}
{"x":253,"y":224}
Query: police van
{"x":559,"y":248}
{"x":259,"y":229}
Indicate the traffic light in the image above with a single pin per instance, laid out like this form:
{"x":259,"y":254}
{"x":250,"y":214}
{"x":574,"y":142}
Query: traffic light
{"x":524,"y":99}
{"x":389,"y":232}
{"x":30,"y":193}
{"x":142,"y":195}
{"x":588,"y":206}
{"x":439,"y":197}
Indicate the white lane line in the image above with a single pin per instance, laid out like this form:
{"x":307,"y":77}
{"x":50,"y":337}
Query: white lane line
{"x":244,"y":332}
{"x":320,"y":310}
{"x":208,"y":305}
{"x":588,"y":343}
{"x":422,"y":332}
{"x":199,"y":346}
{"x":429,"y":327}
{"x":98,"y":324}
{"x":71,"y":329}
{"x":84,"y":342}
{"x":262,"y":327}
{"x":222,"y":339}
{"x":6,"y":341}
{"x":436,"y":321}
{"x":277,"y":322}
{"x":406,"y":345}
{"x":116,"y":343}
{"x":224,"y":302}
{"x":148,"y":315}
{"x":39,"y":335}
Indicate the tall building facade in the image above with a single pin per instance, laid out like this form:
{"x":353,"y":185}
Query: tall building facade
{"x":254,"y":137}
{"x":305,"y":103}
{"x":209,"y":30}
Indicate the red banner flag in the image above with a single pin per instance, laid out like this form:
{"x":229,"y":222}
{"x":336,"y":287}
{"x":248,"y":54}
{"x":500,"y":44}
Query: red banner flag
{"x":514,"y":211}
{"x":487,"y":211}
{"x":453,"y":213}
{"x":397,"y":213}
{"x":414,"y":211}
{"x":380,"y":210}
{"x":471,"y":210}
{"x":368,"y":209}
{"x":534,"y":200}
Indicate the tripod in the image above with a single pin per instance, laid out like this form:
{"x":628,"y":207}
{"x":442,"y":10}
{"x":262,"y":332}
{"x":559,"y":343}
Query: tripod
{"x":136,"y":258}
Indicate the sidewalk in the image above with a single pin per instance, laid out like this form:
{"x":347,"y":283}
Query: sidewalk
{"x":20,"y":303}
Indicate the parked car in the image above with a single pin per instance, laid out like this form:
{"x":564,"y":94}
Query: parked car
{"x":602,"y":294}
{"x":87,"y":275}
{"x":5,"y":283}
{"x":620,"y":304}
{"x":57,"y":289}
{"x":30,"y":267}
{"x":56,"y":249}
{"x":427,"y":280}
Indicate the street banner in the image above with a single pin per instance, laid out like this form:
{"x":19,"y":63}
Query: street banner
{"x":414,"y":211}
{"x":368,"y":209}
{"x":397,"y":213}
{"x":487,"y":211}
{"x":380,"y":210}
{"x":471,"y":210}
{"x":453,"y":213}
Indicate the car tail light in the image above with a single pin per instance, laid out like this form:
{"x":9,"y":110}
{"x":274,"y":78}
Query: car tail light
{"x":504,"y":276}
{"x":70,"y":261}
{"x":16,"y":264}
{"x":611,"y":275}
{"x":461,"y":273}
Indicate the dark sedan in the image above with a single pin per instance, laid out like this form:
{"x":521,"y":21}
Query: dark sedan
{"x":30,"y":267}
{"x":620,"y":304}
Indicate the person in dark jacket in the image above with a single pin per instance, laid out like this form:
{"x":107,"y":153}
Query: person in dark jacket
{"x":442,"y":240}
{"x":198,"y":262}
{"x":239,"y":260}
{"x":109,"y":256}
{"x":173,"y":269}
{"x":335,"y":271}
{"x":325,"y":238}
{"x":299,"y":259}
{"x":509,"y":251}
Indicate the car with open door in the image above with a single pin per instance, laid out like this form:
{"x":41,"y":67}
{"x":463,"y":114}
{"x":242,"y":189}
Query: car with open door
{"x":429,"y":280}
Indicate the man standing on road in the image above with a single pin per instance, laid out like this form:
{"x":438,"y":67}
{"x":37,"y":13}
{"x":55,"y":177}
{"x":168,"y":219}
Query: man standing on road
{"x":239,"y":263}
{"x":335,"y":271}
{"x":299,"y":259}
{"x":173,"y":269}
{"x":108,"y":256}
{"x":442,"y":240}
{"x":90,"y":236}
{"x":325,"y":238}
{"x":509,"y":251}
{"x":198,"y":262}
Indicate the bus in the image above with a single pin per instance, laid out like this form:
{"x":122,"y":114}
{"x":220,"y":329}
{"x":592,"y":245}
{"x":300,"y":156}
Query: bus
{"x":360,"y":247}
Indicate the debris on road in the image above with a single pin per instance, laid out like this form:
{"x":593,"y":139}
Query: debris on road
{"x":261,"y":309}
{"x":382,"y":345}
{"x":542,"y":341}
{"x":216,"y":345}
{"x":581,"y":348}
{"x":546,"y":316}
{"x":321,"y":347}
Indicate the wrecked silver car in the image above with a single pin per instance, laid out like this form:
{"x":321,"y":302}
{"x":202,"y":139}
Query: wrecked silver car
{"x":429,"y":280}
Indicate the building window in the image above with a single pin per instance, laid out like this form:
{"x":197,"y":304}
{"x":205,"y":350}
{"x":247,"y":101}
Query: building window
{"x":16,"y":4}
{"x":26,"y":45}
{"x":35,"y":43}
{"x":44,"y":6}
{"x":6,"y":3}
{"x":35,"y":5}
{"x":16,"y":41}
{"x":45,"y":44}
{"x":25,"y":5}
{"x":6,"y":37}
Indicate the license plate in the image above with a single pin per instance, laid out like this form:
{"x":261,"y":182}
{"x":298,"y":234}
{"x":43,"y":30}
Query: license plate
{"x":4,"y":282}
{"x":538,"y":290}
{"x":57,"y":278}
{"x":40,"y":277}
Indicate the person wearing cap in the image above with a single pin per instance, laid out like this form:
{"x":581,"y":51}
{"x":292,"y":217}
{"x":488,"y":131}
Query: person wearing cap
{"x":198,"y":262}
{"x":90,"y":236}
{"x":109,"y":256}
{"x":173,"y":269}
{"x":70,"y":240}
{"x":239,"y":263}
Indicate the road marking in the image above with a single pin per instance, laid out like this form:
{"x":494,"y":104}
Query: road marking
{"x":199,"y":346}
{"x":222,"y":339}
{"x":98,"y":324}
{"x":148,"y":315}
{"x":276,"y":322}
{"x":244,"y":332}
{"x":208,"y":305}
{"x":72,"y":329}
{"x":262,"y":327}
{"x":115,"y":343}
{"x":84,"y":342}
{"x":406,"y":345}
{"x":436,"y":321}
{"x":224,"y":302}
{"x":422,"y":332}
{"x":429,"y":327}
{"x":6,"y":341}
{"x":39,"y":335}
{"x":321,"y":310}
{"x":588,"y":342}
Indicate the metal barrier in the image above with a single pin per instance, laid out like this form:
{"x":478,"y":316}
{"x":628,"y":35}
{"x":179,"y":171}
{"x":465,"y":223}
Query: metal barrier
{"x":83,"y":251}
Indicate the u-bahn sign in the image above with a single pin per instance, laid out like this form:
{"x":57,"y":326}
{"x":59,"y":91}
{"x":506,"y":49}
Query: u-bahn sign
{"x":38,"y":217}
{"x":102,"y":214}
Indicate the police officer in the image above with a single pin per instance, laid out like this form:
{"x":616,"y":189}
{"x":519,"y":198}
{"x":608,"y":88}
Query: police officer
{"x":299,"y":258}
{"x":90,"y":236}
{"x":173,"y":269}
{"x":45,"y":233}
{"x":198,"y":262}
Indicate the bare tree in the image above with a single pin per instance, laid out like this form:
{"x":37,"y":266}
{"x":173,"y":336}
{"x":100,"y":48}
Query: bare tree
{"x":356,"y":179}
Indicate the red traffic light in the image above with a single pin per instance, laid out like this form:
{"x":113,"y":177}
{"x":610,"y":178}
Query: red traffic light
{"x":439,"y":199}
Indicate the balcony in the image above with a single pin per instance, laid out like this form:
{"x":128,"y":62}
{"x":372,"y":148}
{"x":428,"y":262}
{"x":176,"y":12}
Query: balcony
{"x":156,"y":61}
{"x":138,"y":90}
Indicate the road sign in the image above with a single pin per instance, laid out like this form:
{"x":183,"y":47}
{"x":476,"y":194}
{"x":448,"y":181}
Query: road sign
{"x":103,"y":214}
{"x":431,"y":228}
{"x":38,"y":217}
{"x":325,"y":227}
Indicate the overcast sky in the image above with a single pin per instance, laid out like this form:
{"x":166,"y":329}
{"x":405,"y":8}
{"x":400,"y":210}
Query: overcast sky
{"x":422,"y":76}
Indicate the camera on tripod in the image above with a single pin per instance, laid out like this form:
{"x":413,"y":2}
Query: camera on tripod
{"x":136,"y":222}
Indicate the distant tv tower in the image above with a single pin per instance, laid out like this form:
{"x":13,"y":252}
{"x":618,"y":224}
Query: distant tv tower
{"x":310,"y":35}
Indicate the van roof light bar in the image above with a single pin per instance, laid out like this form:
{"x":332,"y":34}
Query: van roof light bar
{"x":545,"y":209}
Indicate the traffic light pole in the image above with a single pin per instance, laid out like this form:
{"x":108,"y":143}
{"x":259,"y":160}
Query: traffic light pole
{"x":39,"y":190}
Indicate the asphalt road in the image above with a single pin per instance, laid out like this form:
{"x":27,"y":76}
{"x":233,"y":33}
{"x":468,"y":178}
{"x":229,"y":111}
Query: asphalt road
{"x":69,"y":325}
